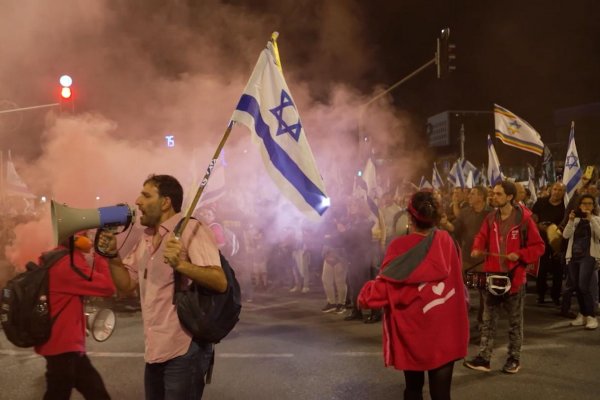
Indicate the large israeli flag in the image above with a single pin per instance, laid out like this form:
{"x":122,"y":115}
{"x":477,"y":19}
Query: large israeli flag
{"x":494,"y":172}
{"x":269,"y":111}
{"x":572,"y":172}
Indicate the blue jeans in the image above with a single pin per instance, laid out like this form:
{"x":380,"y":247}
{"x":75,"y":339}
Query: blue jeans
{"x":581,"y":272}
{"x":180,"y":378}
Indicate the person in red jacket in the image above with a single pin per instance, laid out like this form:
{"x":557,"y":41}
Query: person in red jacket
{"x":67,"y":365}
{"x":420,"y":288}
{"x":510,"y":240}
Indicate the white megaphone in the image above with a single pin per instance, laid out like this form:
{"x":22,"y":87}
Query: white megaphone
{"x":67,"y":221}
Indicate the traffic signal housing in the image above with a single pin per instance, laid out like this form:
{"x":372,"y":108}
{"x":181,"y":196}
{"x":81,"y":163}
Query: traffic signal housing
{"x":444,"y":55}
{"x":65,"y":92}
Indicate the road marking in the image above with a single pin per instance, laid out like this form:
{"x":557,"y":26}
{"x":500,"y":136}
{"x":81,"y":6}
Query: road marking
{"x":255,"y":355}
{"x":358,"y":353}
{"x":559,"y":324}
{"x":141,"y":355}
{"x":254,"y":307}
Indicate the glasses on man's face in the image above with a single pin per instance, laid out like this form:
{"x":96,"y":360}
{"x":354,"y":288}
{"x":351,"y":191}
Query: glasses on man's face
{"x":587,"y":203}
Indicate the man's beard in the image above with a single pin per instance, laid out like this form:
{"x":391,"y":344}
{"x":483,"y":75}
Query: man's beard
{"x":501,"y":205}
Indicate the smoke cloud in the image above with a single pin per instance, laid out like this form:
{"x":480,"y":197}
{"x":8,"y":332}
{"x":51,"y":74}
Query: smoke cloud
{"x":146,"y":69}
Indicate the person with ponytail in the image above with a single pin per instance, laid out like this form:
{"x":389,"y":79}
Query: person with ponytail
{"x":420,"y":288}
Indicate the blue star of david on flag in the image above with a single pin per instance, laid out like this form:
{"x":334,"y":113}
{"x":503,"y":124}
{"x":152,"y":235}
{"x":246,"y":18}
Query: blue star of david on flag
{"x":283,"y":127}
{"x":514,"y":126}
{"x":572,"y":161}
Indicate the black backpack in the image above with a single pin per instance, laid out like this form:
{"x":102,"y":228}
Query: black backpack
{"x":209,"y":316}
{"x":25,"y":303}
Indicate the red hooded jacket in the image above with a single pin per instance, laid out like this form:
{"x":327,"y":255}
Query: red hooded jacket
{"x":488,"y":240}
{"x":66,"y":288}
{"x":425,"y":323}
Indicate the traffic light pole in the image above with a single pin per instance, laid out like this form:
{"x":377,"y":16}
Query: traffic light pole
{"x":29,"y":108}
{"x":380,"y":95}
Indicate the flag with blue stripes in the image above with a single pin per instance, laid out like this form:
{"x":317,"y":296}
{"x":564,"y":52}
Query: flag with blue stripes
{"x":494,"y":174}
{"x":572,"y":173}
{"x":467,"y":167}
{"x":436,"y":178}
{"x":456,"y":176}
{"x":268,"y":110}
{"x":516,"y":132}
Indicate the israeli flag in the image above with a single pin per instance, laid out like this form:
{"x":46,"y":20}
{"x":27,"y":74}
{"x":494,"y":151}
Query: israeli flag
{"x":457,"y":175}
{"x":572,"y":172}
{"x":436,"y":178}
{"x":467,"y":167}
{"x":268,"y":110}
{"x":494,"y":172}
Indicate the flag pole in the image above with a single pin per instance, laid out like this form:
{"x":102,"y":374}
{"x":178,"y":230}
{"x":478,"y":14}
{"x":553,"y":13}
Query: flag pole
{"x":204,"y":182}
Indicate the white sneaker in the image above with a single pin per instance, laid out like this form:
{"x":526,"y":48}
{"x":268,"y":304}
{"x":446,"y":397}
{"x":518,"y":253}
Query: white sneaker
{"x":579,"y":320}
{"x":296,"y":288}
{"x":305,"y":290}
{"x":592,"y":322}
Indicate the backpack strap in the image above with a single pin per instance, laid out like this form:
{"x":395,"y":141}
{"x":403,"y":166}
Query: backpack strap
{"x":72,"y":262}
{"x":48,"y":260}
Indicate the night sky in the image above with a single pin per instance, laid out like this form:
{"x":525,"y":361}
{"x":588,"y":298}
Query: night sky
{"x":532,"y":57}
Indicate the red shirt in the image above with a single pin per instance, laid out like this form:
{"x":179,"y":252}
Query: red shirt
{"x":65,"y":290}
{"x":425,"y":322}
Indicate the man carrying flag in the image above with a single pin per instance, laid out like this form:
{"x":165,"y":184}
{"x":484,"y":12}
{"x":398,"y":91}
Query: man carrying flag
{"x":516,"y":132}
{"x":268,"y":110}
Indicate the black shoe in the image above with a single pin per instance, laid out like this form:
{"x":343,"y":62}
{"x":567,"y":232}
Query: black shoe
{"x":329,"y":308}
{"x":512,"y":366}
{"x":354,"y":315}
{"x":478,"y":363}
{"x":372,"y":319}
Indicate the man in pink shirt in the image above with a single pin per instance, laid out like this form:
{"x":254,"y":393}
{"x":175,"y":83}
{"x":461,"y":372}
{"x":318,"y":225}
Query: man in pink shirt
{"x":175,"y":364}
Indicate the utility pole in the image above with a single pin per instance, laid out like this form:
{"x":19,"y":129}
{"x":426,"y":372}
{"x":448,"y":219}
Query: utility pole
{"x":462,"y":142}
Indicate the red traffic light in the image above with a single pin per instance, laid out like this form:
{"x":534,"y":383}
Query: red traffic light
{"x":66,"y":93}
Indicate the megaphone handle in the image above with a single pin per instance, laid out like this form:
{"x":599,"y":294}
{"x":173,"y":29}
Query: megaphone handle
{"x":97,"y":247}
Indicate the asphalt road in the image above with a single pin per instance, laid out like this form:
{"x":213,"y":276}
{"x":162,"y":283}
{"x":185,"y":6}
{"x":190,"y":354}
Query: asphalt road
{"x":285,"y":348}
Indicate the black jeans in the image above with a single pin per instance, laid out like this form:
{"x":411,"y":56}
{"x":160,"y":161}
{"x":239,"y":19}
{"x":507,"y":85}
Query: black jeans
{"x":68,"y":371}
{"x":552,"y":265}
{"x":440,"y":380}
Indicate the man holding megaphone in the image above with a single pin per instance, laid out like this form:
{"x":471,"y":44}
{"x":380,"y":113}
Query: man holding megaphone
{"x":175,"y":364}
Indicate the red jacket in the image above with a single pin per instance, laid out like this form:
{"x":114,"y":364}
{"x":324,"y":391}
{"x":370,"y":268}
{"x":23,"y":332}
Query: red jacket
{"x":488,"y":240}
{"x":425,"y":323}
{"x":65,"y":290}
